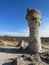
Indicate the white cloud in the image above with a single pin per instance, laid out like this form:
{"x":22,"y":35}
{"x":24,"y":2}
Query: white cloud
{"x":45,"y":31}
{"x":9,"y":33}
{"x":25,"y":32}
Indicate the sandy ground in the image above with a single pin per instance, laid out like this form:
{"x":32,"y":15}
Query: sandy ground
{"x":7,"y":54}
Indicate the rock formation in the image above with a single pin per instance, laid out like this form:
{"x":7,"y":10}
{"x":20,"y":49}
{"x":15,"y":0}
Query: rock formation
{"x":33,"y":17}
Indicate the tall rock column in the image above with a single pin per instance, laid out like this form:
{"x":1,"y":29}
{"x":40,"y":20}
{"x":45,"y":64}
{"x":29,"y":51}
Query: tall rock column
{"x":33,"y":17}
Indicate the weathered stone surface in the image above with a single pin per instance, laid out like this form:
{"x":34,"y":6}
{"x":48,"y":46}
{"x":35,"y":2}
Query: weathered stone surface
{"x":28,"y":59}
{"x":19,"y":61}
{"x":36,"y":58}
{"x":34,"y":19}
{"x":24,"y":44}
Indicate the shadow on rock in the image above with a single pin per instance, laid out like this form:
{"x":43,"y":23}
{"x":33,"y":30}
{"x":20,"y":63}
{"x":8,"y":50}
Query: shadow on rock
{"x":14,"y":50}
{"x":45,"y":59}
{"x":11,"y":63}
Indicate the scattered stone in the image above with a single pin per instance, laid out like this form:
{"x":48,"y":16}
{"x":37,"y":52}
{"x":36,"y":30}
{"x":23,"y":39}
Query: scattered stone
{"x":34,"y":63}
{"x":23,"y":44}
{"x":27,"y":58}
{"x":37,"y":58}
{"x":19,"y":61}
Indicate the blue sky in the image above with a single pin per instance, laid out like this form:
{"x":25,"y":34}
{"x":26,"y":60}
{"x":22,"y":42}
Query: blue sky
{"x":12,"y":17}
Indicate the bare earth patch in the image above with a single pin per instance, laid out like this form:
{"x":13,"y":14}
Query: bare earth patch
{"x":7,"y":54}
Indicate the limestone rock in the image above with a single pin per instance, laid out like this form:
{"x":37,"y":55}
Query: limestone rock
{"x":24,"y":44}
{"x":33,"y":17}
{"x":19,"y":61}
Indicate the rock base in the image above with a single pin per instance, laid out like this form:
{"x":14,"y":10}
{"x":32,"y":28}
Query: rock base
{"x":27,"y":59}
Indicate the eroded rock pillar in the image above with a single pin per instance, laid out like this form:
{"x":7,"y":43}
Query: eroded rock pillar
{"x":33,"y":17}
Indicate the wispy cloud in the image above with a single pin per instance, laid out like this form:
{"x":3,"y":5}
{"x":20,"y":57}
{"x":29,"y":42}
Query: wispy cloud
{"x":25,"y":32}
{"x":45,"y":31}
{"x":14,"y":34}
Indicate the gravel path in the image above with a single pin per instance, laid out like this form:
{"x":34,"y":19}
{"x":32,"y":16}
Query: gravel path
{"x":7,"y":54}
